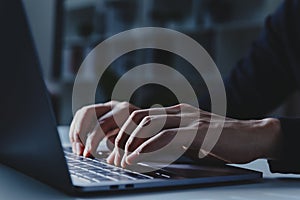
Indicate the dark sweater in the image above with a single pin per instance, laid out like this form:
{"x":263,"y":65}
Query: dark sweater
{"x":266,"y":76}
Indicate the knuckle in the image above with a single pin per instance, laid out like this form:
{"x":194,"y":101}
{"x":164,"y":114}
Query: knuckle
{"x":77,"y":136}
{"x":113,"y":102}
{"x":181,"y":105}
{"x":90,"y":109}
{"x":134,"y":113}
{"x":146,"y":120}
{"x":83,"y":111}
{"x":184,"y":105}
{"x":78,"y":112}
{"x":167,"y":132}
{"x":137,"y":115}
{"x":164,"y":132}
{"x":202,"y":124}
{"x":128,"y":145}
{"x":124,"y":104}
{"x":117,"y":141}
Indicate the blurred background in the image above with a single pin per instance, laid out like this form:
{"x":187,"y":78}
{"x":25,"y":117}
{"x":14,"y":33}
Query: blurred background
{"x":65,"y":31}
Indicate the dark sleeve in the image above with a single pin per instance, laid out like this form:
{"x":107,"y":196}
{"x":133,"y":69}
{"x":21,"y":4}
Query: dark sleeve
{"x":289,"y":160}
{"x":267,"y":75}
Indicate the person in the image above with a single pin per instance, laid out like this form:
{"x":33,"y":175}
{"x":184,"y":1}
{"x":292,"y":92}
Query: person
{"x":262,"y":80}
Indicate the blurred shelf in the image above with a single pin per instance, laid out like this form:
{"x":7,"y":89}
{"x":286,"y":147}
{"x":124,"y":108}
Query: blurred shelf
{"x":238,"y":24}
{"x":79,"y":4}
{"x":81,"y":41}
{"x":225,"y":37}
{"x":216,"y":27}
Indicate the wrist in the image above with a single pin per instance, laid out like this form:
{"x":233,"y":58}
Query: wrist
{"x":270,"y":138}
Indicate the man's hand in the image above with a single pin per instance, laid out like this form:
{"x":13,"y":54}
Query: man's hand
{"x":139,"y":132}
{"x":92,"y":123}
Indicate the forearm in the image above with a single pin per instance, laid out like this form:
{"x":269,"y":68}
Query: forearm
{"x":241,"y":141}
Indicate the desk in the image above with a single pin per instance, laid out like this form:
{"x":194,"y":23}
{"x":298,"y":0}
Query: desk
{"x":14,"y":186}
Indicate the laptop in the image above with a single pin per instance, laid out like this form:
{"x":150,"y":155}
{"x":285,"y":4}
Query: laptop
{"x":30,"y":142}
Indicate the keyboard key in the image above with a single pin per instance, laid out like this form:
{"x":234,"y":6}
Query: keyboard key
{"x":94,"y":170}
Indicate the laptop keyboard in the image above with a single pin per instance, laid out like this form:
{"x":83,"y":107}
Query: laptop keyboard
{"x":98,"y":170}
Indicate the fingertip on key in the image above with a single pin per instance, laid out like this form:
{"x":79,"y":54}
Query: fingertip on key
{"x":132,"y":158}
{"x":78,"y":148}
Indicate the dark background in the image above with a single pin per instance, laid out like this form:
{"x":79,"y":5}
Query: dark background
{"x":65,"y":31}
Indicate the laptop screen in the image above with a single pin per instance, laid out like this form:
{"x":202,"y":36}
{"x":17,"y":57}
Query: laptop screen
{"x":29,"y":140}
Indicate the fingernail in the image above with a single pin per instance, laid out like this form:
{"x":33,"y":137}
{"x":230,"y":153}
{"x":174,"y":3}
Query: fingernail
{"x":110,"y":158}
{"x":85,"y":152}
{"x":123,"y":161}
{"x":123,"y":164}
{"x":117,"y":159}
{"x":184,"y":147}
{"x":78,"y":149}
{"x":132,"y":157}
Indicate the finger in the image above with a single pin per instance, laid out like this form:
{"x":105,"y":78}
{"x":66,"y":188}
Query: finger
{"x":111,"y":158}
{"x":144,"y":132}
{"x":148,"y":127}
{"x":152,"y":144}
{"x":93,"y":141}
{"x":81,"y":126}
{"x":116,"y":117}
{"x":104,"y":128}
{"x":103,"y":108}
{"x":110,"y":144}
{"x":136,"y":156}
{"x":77,"y":146}
{"x":110,"y":126}
{"x":107,"y":122}
{"x":131,"y":124}
{"x":169,"y":117}
{"x":166,"y":144}
{"x":71,"y":137}
{"x":128,"y":127}
{"x":84,"y":122}
{"x":71,"y":131}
